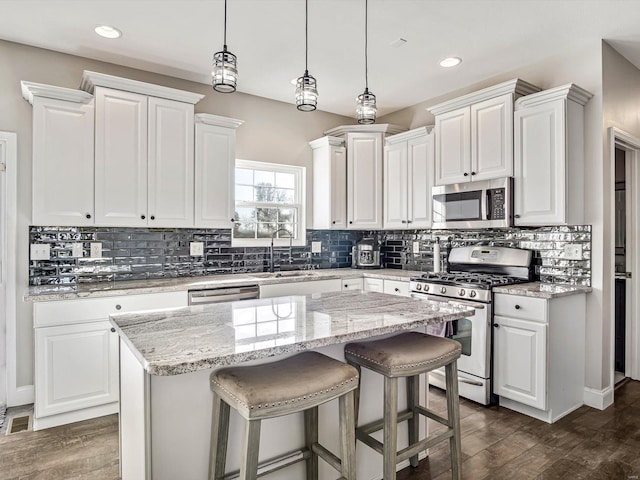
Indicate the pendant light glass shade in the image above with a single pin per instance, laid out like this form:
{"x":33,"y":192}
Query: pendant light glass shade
{"x":306,"y":85}
{"x":306,"y":93}
{"x":224,"y":75}
{"x":366,"y":108}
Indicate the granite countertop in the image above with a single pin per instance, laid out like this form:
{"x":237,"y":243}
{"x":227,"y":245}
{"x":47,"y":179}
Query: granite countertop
{"x":67,"y":292}
{"x":182,"y":340}
{"x":541,"y":290}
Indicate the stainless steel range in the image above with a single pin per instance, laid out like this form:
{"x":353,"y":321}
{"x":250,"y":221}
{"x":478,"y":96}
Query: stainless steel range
{"x":473,"y":272}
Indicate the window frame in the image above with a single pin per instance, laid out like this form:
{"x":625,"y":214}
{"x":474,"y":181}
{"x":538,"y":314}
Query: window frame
{"x":300,"y":182}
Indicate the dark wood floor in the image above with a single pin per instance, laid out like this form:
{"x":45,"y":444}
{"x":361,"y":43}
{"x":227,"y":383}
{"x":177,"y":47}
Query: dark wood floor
{"x":497,"y":444}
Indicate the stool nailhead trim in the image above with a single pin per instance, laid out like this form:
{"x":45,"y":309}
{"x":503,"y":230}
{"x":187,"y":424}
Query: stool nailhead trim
{"x":455,"y":353}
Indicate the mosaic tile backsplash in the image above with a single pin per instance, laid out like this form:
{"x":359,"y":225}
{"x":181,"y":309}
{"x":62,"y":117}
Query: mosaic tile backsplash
{"x":144,"y":253}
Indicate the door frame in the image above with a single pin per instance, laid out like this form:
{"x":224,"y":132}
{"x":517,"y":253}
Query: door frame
{"x":620,"y":139}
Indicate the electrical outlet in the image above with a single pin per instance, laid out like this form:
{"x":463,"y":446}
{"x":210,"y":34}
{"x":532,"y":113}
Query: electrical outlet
{"x":316,"y":247}
{"x":40,"y":251}
{"x":416,"y":247}
{"x":76,"y":250}
{"x":573,"y":251}
{"x":196,"y":249}
{"x":96,"y":250}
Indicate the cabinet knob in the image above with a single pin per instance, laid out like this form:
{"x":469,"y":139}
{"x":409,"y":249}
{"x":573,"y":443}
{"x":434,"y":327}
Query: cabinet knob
{"x":473,"y":173}
{"x":88,"y":215}
{"x":517,"y":215}
{"x":334,"y":222}
{"x":350,"y":222}
{"x":113,"y":330}
{"x":142,"y":217}
{"x":409,"y":221}
{"x":346,"y":285}
{"x":118,"y":307}
{"x":466,"y":174}
{"x":495,"y":325}
{"x":153,"y":217}
{"x":233,"y":219}
{"x":517,"y":307}
{"x":404,"y":221}
{"x":397,"y":289}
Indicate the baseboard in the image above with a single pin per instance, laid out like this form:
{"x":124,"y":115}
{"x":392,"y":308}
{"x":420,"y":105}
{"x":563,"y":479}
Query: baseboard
{"x":75,"y":416}
{"x":20,"y":396}
{"x":599,"y":399}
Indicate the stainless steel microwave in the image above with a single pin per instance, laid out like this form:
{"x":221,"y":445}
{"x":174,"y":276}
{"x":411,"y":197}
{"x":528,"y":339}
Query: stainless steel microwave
{"x":483,"y":204}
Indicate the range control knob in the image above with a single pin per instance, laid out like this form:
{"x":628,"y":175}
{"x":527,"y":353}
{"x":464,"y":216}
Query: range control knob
{"x":461,"y":292}
{"x":426,"y":288}
{"x":472,"y":293}
{"x":419,"y":287}
{"x":443,"y":290}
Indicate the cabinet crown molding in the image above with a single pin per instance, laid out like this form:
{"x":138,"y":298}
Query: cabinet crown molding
{"x":570,"y":91}
{"x":31,"y":89}
{"x":90,"y":80}
{"x":515,"y":86}
{"x":386,"y":128}
{"x":328,"y":140}
{"x":217,"y":120}
{"x":416,"y":132}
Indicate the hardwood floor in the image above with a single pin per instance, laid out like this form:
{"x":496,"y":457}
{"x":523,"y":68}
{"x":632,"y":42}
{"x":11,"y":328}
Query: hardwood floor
{"x":497,"y":444}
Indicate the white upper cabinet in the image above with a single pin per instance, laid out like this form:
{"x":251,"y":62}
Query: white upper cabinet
{"x":408,"y":178}
{"x":474,"y":134}
{"x":63,"y":124}
{"x":549,"y":157}
{"x":364,"y":180}
{"x":329,"y":183}
{"x":214,"y":171}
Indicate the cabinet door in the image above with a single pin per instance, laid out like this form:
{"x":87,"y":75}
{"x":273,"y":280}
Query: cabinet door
{"x":520,"y":361}
{"x":214,"y":179}
{"x":373,"y":285}
{"x":120,"y":158}
{"x":338,"y":187}
{"x":395,"y":186}
{"x":492,"y":138}
{"x":170,"y":163}
{"x":76,"y":367}
{"x":540,"y":169}
{"x":395,"y":287}
{"x":364,"y":180}
{"x":62,"y":162}
{"x":419,"y":181}
{"x":453,"y":147}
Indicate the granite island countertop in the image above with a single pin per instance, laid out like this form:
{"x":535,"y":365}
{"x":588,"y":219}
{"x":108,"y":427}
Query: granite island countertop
{"x":541,"y":290}
{"x":188,"y":339}
{"x":47,"y":293}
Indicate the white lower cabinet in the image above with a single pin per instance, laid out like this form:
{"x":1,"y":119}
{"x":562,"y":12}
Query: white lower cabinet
{"x":391,"y":287}
{"x":76,"y":355}
{"x":373,"y":285}
{"x":300,"y":288}
{"x":539,"y":354}
{"x":352,"y":284}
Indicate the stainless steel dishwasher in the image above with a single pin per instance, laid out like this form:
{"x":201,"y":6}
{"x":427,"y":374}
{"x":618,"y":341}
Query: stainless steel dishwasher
{"x":205,"y":296}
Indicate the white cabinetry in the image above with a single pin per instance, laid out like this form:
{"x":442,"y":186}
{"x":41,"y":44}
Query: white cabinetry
{"x":373,"y":284}
{"x":408,"y":178}
{"x":300,"y":288}
{"x":539,"y":354}
{"x":474,"y":134}
{"x":76,"y":355}
{"x":364,"y":180}
{"x":391,"y":287}
{"x":352,"y":284}
{"x":63,"y":123}
{"x":329,"y":183}
{"x":214,"y":170}
{"x":549,"y":157}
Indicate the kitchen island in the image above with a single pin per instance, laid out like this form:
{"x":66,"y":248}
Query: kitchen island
{"x":167,"y":356}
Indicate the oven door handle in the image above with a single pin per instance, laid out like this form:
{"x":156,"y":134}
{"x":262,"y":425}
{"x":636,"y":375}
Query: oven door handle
{"x":470,"y":382}
{"x":477,"y":306}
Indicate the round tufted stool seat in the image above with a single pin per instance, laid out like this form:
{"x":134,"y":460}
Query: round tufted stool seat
{"x":409,"y":355}
{"x":295,"y":384}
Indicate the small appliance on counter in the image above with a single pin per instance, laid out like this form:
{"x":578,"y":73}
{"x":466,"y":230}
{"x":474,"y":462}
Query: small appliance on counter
{"x":366,"y":254}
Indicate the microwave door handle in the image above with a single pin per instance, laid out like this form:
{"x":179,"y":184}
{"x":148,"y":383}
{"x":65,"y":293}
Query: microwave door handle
{"x":488,"y":205}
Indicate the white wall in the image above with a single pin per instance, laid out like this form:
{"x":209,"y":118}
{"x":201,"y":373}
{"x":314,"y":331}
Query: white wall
{"x":272,"y":132}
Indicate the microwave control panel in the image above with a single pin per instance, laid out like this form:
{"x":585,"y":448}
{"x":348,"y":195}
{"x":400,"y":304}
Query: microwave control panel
{"x":497,"y":201}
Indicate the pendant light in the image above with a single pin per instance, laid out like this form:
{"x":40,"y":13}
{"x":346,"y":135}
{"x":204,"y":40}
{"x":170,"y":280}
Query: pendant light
{"x":366,"y":102}
{"x":225,"y":65}
{"x":306,"y":86}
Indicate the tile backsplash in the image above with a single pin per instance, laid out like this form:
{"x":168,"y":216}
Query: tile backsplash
{"x":145,"y":253}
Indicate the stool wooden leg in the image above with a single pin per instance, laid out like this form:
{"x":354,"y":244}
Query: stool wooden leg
{"x":453,"y":414}
{"x":249,"y":450}
{"x":348,"y":435}
{"x":413,"y":399}
{"x":311,"y":437}
{"x":390,"y":435}
{"x":357,"y":393}
{"x":219,"y":437}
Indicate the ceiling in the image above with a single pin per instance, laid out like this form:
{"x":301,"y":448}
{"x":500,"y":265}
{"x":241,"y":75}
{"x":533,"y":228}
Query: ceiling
{"x":178,"y":38}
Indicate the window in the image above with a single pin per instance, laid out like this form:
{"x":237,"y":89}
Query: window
{"x":269,"y":204}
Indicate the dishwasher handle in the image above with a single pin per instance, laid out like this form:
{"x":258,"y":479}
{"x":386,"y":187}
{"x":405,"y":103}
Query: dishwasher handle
{"x":224,"y":294}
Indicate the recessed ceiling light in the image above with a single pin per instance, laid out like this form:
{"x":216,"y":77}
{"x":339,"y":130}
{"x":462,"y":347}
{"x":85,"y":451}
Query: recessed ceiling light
{"x":450,"y":62}
{"x":108,"y":32}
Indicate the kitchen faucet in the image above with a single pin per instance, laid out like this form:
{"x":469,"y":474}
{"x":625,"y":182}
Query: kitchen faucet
{"x":273,"y":235}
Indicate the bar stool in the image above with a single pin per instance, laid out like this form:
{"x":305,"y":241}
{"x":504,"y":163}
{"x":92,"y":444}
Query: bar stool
{"x":409,"y":355}
{"x":295,"y":384}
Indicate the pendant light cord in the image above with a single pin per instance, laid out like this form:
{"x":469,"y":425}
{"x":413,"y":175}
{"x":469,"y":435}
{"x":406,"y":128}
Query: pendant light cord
{"x":306,"y":35}
{"x":366,"y":44}
{"x":225,"y":24}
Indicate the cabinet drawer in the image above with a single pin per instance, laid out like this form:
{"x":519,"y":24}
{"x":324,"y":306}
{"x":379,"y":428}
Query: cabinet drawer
{"x":63,"y":312}
{"x":373,"y":285}
{"x":515,"y":306}
{"x":394,"y":287}
{"x":352,"y":284}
